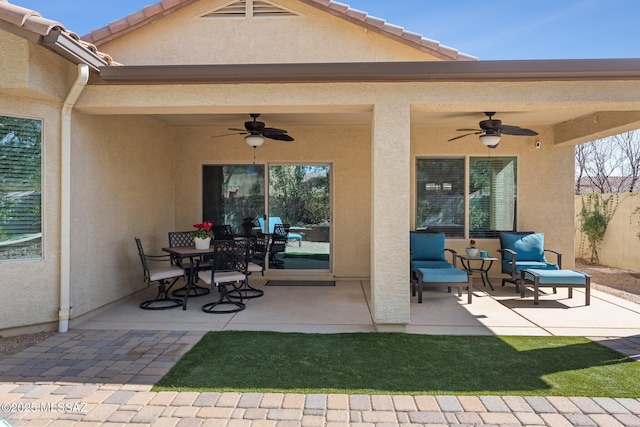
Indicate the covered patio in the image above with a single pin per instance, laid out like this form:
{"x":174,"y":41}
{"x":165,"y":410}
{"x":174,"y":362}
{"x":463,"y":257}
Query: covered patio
{"x":346,"y":307}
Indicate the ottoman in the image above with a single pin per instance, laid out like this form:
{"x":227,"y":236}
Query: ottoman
{"x":555,"y":279}
{"x":443,"y":277}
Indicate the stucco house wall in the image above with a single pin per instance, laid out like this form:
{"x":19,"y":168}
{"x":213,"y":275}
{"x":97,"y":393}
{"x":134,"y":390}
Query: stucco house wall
{"x":28,"y":89}
{"x":185,"y":37}
{"x":123,"y":186}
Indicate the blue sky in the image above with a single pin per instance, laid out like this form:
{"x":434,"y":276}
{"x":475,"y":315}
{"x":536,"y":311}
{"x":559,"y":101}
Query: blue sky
{"x":490,"y":30}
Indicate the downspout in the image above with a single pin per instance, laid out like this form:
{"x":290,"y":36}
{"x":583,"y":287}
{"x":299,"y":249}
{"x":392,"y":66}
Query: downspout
{"x":64,"y":314}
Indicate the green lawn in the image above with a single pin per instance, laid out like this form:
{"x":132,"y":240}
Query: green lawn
{"x":385,"y":363}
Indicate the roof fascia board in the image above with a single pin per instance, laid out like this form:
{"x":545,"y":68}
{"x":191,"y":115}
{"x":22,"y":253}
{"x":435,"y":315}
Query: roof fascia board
{"x":530,"y":70}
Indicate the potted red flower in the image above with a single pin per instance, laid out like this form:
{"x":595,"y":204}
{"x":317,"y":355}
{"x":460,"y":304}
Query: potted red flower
{"x":472,"y":250}
{"x":202,"y":236}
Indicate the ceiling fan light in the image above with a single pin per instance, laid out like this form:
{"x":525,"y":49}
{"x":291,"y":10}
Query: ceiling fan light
{"x":254,"y":140}
{"x":489,"y":140}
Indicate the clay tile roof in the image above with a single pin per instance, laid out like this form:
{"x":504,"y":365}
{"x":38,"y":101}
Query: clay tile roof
{"x":32,"y":22}
{"x":341,"y":10}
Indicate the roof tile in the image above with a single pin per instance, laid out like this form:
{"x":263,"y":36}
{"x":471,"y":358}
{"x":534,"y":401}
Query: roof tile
{"x":393,"y":29}
{"x":168,"y":4}
{"x":136,"y":17}
{"x":153,"y":9}
{"x":358,"y":14}
{"x":119,"y":25}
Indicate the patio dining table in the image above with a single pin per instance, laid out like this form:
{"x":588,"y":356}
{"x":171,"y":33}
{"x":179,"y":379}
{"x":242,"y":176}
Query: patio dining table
{"x":194,"y":255}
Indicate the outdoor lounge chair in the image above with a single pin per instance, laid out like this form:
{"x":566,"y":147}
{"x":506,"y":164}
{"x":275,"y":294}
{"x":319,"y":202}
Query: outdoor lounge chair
{"x":276,"y":220}
{"x":523,"y":250}
{"x":428,"y":252}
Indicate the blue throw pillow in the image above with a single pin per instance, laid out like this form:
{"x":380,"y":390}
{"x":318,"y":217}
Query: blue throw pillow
{"x":528,"y":247}
{"x":427,"y":246}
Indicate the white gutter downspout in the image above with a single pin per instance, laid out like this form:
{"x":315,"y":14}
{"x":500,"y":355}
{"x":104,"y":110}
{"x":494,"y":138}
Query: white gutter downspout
{"x":65,"y":198}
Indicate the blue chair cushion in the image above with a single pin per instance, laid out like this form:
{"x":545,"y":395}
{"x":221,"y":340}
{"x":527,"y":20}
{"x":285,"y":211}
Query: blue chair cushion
{"x":430,"y":264}
{"x":528,"y":265}
{"x":557,"y":277}
{"x":443,"y":275}
{"x":273,"y":220}
{"x":528,"y":247}
{"x":427,"y":246}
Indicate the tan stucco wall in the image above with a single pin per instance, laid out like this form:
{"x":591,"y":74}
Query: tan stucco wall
{"x":122,"y":187}
{"x":30,"y":70}
{"x":30,"y":288}
{"x":346,"y":149}
{"x":314,"y":36}
{"x":621,"y":245}
{"x":545,"y":177}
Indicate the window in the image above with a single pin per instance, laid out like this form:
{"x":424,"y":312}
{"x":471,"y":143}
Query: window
{"x":492,"y":195}
{"x":442,"y":197}
{"x":20,"y":188}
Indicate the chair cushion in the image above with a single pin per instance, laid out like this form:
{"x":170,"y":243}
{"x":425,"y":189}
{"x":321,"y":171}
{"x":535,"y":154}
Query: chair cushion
{"x":427,"y":246}
{"x":253,"y":267}
{"x":528,"y":247}
{"x":223,"y":277}
{"x":557,"y":277}
{"x":443,"y":275}
{"x":430,"y":264}
{"x":528,"y":265}
{"x":165,"y":273}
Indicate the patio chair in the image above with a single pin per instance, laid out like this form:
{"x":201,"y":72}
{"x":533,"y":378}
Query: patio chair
{"x":162,"y":276}
{"x":427,"y":251}
{"x":523,"y":250}
{"x":229,"y":268}
{"x":278,"y":245}
{"x":222,"y":232}
{"x":185,"y":239}
{"x":256,"y":257}
{"x":276,"y":220}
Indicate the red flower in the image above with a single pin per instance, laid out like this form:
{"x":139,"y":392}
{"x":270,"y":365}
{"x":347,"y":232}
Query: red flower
{"x":203,"y":230}
{"x":472,"y":243}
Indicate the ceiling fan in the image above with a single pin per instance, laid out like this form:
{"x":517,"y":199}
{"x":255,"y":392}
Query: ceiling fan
{"x":256,"y":132}
{"x":491,"y":130}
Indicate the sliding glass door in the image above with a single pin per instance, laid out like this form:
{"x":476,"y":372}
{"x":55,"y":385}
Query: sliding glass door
{"x":234,"y":195}
{"x":296,"y":198}
{"x":299,"y":197}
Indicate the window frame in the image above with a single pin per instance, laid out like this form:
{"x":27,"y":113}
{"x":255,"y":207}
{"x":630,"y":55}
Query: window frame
{"x":467,"y":181}
{"x":38,"y":255}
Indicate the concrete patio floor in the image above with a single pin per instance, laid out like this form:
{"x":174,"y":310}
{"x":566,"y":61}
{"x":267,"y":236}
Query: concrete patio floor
{"x":101,"y":372}
{"x":346,"y":308}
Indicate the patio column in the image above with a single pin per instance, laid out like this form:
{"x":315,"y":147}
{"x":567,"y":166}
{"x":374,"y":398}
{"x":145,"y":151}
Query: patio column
{"x":390,"y":154}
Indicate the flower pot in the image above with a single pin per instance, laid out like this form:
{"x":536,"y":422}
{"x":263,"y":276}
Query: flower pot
{"x":472,"y":252}
{"x":202,"y":243}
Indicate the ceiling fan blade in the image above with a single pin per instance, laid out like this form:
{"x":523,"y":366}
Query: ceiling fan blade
{"x":469,"y":130}
{"x":466,"y":134}
{"x":239,"y":130}
{"x":516,"y":130}
{"x":278,"y":136}
{"x":273,"y":130}
{"x":228,"y":134}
